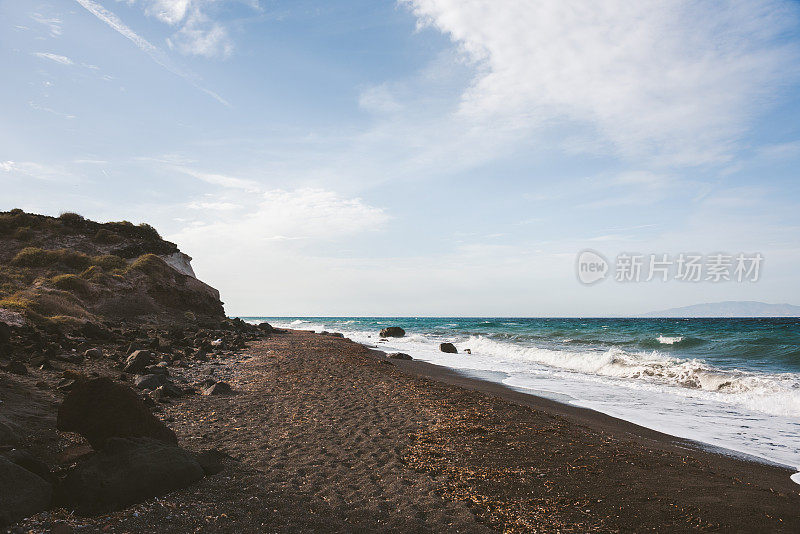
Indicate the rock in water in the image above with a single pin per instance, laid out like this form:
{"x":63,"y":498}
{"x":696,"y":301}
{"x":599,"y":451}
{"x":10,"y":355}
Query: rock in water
{"x":22,"y":493}
{"x":100,"y":409}
{"x":449,"y":348}
{"x":137,"y":361}
{"x":393,"y":331}
{"x":128,"y":471}
{"x":399,"y":356}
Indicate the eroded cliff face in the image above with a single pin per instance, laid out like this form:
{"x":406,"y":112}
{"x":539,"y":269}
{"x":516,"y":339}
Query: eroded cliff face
{"x":66,"y":271}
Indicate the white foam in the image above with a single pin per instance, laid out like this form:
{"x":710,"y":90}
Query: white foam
{"x":666,"y":340}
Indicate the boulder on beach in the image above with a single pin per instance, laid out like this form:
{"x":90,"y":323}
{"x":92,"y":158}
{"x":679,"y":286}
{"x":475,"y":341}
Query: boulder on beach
{"x":22,"y":493}
{"x":219,"y":388}
{"x":151,"y":381}
{"x":399,"y":356}
{"x":393,"y":331}
{"x":138,"y":361}
{"x":100,"y":409}
{"x":448,"y":348}
{"x":266,"y":328}
{"x":125,"y":472}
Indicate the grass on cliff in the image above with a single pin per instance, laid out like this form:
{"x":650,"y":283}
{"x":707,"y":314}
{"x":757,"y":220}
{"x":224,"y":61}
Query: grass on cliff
{"x":43,"y":302}
{"x":40,"y":258}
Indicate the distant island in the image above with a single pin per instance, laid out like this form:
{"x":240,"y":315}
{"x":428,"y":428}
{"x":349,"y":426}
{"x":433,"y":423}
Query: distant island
{"x":730,"y":308}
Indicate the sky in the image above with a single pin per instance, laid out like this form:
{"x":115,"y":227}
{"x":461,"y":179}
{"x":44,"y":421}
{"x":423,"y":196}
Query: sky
{"x":417,"y":157}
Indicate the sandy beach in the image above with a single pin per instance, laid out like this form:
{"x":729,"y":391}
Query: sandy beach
{"x":325,"y":434}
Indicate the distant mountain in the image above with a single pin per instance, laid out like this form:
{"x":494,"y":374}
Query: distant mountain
{"x":731,"y":308}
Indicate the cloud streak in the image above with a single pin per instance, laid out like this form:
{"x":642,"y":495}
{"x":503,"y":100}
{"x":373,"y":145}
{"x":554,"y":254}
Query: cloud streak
{"x":144,"y":45}
{"x":64,"y":60}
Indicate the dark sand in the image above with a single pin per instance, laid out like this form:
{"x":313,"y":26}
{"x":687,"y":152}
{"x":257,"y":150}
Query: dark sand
{"x":328,"y":437}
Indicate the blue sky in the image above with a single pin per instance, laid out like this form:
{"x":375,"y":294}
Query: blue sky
{"x":421,"y":157}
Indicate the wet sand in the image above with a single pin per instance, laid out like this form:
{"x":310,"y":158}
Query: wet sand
{"x":327,"y":435}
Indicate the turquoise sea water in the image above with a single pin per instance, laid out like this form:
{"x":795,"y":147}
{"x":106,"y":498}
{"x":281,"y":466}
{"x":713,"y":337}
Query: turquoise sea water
{"x":732,"y":383}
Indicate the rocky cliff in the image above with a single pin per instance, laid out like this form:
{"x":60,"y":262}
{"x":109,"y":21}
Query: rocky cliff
{"x":68,"y":272}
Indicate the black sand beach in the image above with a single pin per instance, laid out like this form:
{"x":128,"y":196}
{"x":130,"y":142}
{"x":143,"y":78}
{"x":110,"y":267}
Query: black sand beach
{"x":326,"y":435}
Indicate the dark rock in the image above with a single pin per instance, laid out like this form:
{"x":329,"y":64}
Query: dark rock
{"x":399,"y":356}
{"x":125,"y":472}
{"x":150,"y":381}
{"x":5,"y":333}
{"x":448,"y":347}
{"x":69,"y":358}
{"x":220,"y":388}
{"x":156,"y":370}
{"x":95,"y":331}
{"x":137,"y":361}
{"x":336,"y":334}
{"x":266,"y":328}
{"x":18,"y":368}
{"x":100,"y":409}
{"x":95,"y":353}
{"x":212,"y":461}
{"x":393,"y":331}
{"x":26,"y":460}
{"x":22,"y":493}
{"x":201,"y":355}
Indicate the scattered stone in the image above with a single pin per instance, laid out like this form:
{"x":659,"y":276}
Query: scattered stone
{"x":156,"y":370}
{"x":94,"y":354}
{"x":100,"y":409}
{"x":468,"y":351}
{"x":138,"y":361}
{"x":151,"y":381}
{"x":128,"y":471}
{"x":448,"y":347}
{"x":399,"y":356}
{"x":393,"y":331}
{"x":22,"y":493}
{"x":220,"y":388}
{"x":17,"y":368}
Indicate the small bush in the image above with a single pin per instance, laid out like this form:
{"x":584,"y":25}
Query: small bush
{"x":39,"y":258}
{"x":109,"y":262}
{"x":149,"y":264}
{"x":106,"y":237}
{"x":71,"y":283}
{"x":34,"y":257}
{"x":72,"y":219}
{"x":11,"y":221}
{"x":23,"y":234}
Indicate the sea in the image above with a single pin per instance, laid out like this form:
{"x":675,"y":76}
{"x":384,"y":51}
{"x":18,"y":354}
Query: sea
{"x":731,"y":384}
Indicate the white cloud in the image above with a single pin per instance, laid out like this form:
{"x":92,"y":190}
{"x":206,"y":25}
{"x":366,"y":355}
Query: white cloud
{"x":219,"y":179}
{"x":145,"y":46}
{"x":39,"y":171}
{"x":670,"y":82}
{"x":197,"y":34}
{"x":64,"y":60}
{"x":272,"y":223}
{"x":53,"y":24}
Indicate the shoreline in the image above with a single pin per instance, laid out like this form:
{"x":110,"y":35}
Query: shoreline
{"x":590,"y":417}
{"x":323,"y":433}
